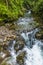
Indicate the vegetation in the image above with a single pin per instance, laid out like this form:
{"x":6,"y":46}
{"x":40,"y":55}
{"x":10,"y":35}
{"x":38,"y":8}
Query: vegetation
{"x":36,"y":7}
{"x":11,"y":9}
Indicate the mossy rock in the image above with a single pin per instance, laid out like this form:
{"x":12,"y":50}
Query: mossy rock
{"x":39,"y":35}
{"x":1,"y":59}
{"x":20,"y":58}
{"x":19,"y":45}
{"x":1,"y":48}
{"x":5,"y":61}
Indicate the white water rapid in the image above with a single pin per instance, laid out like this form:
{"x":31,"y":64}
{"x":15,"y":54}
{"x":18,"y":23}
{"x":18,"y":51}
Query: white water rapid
{"x":34,"y":53}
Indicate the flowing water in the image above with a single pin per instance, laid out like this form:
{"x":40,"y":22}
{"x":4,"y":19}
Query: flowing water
{"x":33,"y":47}
{"x":34,"y":53}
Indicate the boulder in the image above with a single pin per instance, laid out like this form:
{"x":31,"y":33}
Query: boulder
{"x":20,"y":58}
{"x":39,"y":35}
{"x":19,"y":45}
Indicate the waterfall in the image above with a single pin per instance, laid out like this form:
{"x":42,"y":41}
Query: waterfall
{"x":33,"y":53}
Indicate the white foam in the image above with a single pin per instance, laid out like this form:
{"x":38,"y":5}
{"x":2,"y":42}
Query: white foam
{"x":33,"y":56}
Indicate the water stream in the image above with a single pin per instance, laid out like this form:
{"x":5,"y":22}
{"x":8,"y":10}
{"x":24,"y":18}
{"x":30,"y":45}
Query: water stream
{"x":33,"y":50}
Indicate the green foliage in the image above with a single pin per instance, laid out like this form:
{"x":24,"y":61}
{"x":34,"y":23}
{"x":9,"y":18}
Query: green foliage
{"x":36,"y":7}
{"x":11,"y":9}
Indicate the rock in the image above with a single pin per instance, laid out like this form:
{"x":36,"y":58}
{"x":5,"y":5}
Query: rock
{"x":19,"y":45}
{"x":1,"y":48}
{"x":1,"y":59}
{"x":20,"y":58}
{"x":4,"y":46}
{"x":2,"y":56}
{"x":5,"y":61}
{"x":4,"y":52}
{"x":5,"y":36}
{"x":9,"y":61}
{"x":39,"y":35}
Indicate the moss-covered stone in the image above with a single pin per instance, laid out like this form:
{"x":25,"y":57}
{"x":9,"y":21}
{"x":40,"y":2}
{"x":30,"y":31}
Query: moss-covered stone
{"x":19,"y":45}
{"x":39,"y":35}
{"x":20,"y":58}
